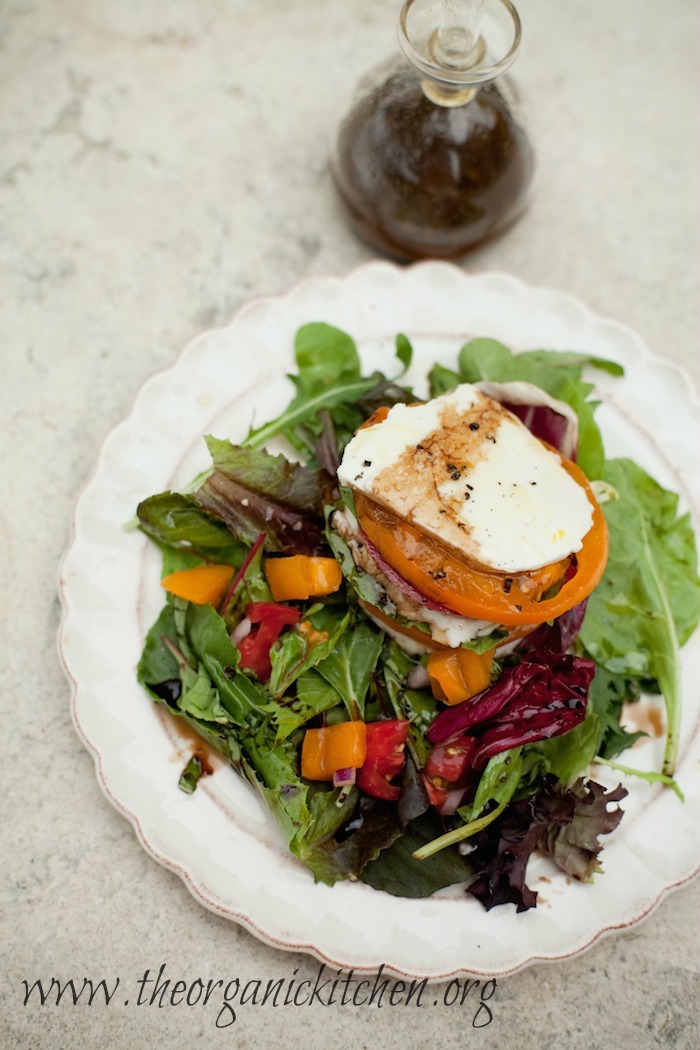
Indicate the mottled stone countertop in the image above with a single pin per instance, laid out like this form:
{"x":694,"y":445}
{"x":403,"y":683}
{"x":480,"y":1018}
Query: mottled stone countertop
{"x":159,"y":165}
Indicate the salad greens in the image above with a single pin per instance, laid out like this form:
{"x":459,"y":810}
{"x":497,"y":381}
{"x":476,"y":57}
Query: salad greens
{"x":329,"y":379}
{"x":329,"y":662}
{"x":648,"y":603}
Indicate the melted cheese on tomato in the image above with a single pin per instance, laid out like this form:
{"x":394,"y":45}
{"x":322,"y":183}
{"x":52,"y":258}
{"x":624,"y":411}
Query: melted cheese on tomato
{"x":466,"y":471}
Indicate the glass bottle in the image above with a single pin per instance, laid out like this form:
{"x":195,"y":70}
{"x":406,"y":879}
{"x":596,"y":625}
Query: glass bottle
{"x":432,"y":159}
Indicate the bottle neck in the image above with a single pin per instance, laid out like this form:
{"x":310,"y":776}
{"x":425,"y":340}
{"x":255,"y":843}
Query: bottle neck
{"x":452,"y":56}
{"x":448,"y":95}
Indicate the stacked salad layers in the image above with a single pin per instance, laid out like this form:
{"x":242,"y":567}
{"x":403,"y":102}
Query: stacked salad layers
{"x":415,"y":630}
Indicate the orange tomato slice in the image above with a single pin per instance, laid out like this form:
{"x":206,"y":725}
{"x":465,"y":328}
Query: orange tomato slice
{"x":509,"y":599}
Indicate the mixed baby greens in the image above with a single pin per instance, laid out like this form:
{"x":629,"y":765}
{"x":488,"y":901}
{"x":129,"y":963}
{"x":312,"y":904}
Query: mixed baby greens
{"x":327,"y":662}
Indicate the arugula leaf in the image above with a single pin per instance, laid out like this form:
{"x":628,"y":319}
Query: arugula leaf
{"x":486,"y":359}
{"x":325,"y":356}
{"x":158,"y":663}
{"x":242,"y":699}
{"x":498,"y":783}
{"x":650,"y":777}
{"x":590,"y":454}
{"x":159,"y":671}
{"x":496,"y":788}
{"x":417,"y":705}
{"x":548,"y":369}
{"x":648,"y":602}
{"x":386,"y":392}
{"x":273,"y":770}
{"x":441,"y":380}
{"x":309,"y":815}
{"x":306,"y":645}
{"x":190,"y":643}
{"x":199,"y":697}
{"x":404,"y":350}
{"x":329,"y":810}
{"x":329,"y":377}
{"x":606,"y":695}
{"x":191,"y":775}
{"x":350,"y":665}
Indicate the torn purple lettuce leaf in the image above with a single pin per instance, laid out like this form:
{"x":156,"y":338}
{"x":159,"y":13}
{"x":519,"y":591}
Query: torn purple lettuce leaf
{"x":563,"y":823}
{"x":252,"y":491}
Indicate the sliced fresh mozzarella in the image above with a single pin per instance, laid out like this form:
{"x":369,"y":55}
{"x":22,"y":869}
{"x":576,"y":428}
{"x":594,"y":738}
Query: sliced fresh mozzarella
{"x":466,"y":471}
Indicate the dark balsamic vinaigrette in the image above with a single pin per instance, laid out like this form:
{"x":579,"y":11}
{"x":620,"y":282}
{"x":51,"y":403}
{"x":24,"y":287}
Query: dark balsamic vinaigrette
{"x":188,"y":743}
{"x":419,"y":179}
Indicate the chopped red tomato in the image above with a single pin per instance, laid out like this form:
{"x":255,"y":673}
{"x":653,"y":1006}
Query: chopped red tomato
{"x":269,"y":620}
{"x":450,"y":761}
{"x":386,"y":744}
{"x":447,"y":769}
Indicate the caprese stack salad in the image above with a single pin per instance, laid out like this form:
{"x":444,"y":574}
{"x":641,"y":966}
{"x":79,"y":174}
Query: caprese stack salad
{"x":390,"y":638}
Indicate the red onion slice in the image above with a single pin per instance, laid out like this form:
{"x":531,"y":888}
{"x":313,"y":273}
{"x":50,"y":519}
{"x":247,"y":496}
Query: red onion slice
{"x":344,"y":777}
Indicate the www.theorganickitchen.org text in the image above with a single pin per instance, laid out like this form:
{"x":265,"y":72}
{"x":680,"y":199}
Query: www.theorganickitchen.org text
{"x":327,"y":988}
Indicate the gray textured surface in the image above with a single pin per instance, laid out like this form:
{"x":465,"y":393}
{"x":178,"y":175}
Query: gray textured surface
{"x":159,"y":164}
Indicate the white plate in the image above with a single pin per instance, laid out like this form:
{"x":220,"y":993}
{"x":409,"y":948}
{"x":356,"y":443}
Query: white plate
{"x":221,"y":840}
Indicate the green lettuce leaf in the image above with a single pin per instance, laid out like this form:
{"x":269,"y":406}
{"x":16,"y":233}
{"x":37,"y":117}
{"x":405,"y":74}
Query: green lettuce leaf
{"x":177,"y":521}
{"x":397,"y":871}
{"x":242,"y":699}
{"x":314,"y":696}
{"x":648,"y":602}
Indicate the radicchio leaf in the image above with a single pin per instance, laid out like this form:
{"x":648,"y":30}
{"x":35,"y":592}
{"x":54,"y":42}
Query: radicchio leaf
{"x":558,"y":635}
{"x":546,"y":417}
{"x":544,"y":686}
{"x":519,"y":729}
